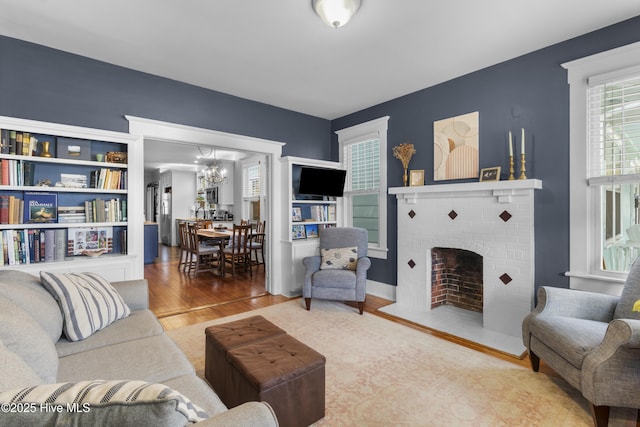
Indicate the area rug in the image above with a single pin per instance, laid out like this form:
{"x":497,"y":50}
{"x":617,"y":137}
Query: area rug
{"x":381,"y":373}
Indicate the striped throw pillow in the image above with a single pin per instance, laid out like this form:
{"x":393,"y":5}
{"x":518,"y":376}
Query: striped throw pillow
{"x":100,"y":402}
{"x":88,"y":302}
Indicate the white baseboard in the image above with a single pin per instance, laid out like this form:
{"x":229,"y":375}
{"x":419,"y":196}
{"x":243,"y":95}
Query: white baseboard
{"x":381,"y":290}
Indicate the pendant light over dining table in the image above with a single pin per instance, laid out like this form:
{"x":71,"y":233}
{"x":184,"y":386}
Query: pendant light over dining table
{"x":335,"y":13}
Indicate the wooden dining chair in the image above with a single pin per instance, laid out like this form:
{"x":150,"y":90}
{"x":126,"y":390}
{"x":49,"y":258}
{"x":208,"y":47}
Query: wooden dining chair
{"x":185,"y":252}
{"x":204,"y":255}
{"x":257,"y":244}
{"x":237,"y":251}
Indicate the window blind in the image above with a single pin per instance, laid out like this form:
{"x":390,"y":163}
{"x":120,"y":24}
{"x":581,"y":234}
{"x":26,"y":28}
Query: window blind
{"x":364,"y":165}
{"x":251,"y":181}
{"x":614,"y":130}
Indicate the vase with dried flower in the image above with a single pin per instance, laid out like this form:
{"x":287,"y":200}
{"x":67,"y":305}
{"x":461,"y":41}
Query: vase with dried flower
{"x":404,"y":152}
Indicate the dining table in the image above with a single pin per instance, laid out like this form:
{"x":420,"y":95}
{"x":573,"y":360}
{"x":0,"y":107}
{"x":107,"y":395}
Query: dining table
{"x":218,"y":236}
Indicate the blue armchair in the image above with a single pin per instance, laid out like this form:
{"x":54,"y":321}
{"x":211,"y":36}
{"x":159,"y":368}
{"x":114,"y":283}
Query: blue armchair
{"x":592,"y":341}
{"x":340,"y":271}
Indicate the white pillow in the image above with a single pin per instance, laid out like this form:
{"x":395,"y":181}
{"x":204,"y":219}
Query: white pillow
{"x":99,"y":402}
{"x":88,"y":302}
{"x":339,"y":258}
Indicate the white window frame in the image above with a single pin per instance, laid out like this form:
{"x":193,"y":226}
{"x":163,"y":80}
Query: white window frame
{"x":584,"y":257}
{"x":375,"y":128}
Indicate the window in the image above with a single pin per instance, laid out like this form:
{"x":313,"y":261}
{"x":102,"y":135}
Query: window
{"x":363,"y":151}
{"x":614,"y":167}
{"x":604,"y":166}
{"x":252,"y":190}
{"x":251,"y":181}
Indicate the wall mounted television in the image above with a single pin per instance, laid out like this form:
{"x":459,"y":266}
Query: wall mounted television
{"x":315,"y":181}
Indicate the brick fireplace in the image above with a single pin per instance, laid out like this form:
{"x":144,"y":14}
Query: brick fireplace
{"x":442,"y":229}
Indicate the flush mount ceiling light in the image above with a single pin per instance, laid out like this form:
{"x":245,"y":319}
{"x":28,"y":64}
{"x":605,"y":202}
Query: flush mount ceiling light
{"x":335,"y":13}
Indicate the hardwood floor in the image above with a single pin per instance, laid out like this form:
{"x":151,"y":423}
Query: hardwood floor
{"x":181,"y":300}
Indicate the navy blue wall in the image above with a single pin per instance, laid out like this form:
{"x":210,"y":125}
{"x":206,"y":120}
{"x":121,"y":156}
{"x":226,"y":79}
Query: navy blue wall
{"x":46,"y":84}
{"x":531,"y":92}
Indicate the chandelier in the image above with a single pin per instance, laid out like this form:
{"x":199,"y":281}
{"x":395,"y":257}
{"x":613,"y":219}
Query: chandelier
{"x":214,"y":173}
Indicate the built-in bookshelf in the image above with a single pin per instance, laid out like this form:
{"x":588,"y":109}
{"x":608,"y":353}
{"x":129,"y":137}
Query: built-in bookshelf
{"x":65,"y":198}
{"x":308,"y":215}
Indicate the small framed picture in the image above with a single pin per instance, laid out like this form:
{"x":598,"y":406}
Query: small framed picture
{"x":298,"y":232}
{"x":296,"y":214}
{"x":416,"y":177}
{"x":311,"y":230}
{"x":490,"y":174}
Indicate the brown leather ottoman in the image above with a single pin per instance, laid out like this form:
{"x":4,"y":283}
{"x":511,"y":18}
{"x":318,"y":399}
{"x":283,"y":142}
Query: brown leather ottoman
{"x":283,"y":372}
{"x":222,"y":338}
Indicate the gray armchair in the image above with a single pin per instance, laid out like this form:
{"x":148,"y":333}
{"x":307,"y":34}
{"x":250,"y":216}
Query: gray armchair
{"x":592,"y":341}
{"x":340,"y":272}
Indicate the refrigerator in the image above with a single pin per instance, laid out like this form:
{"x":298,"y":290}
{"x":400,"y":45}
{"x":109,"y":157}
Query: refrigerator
{"x":165,"y":217}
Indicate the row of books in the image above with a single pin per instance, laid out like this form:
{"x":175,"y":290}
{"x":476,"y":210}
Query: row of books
{"x":108,"y":179}
{"x":11,"y":210}
{"x":16,"y":172}
{"x":33,"y":246}
{"x":100,"y":210}
{"x":43,"y":208}
{"x":16,"y":142}
{"x":323,"y":212}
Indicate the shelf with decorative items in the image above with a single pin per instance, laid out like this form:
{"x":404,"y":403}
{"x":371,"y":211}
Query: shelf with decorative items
{"x":64,"y":196}
{"x":308,"y":215}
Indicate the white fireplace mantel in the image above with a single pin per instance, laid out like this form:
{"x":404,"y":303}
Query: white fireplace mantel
{"x":494,"y":219}
{"x":502,"y":190}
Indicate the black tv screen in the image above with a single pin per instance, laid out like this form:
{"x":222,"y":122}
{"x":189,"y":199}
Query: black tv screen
{"x":322,"y":181}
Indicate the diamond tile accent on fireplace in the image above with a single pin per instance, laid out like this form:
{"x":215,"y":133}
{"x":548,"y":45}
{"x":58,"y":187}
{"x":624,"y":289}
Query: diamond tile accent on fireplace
{"x":505,"y":216}
{"x":506,"y":279}
{"x":453,"y":214}
{"x":411,"y":263}
{"x":412,"y":213}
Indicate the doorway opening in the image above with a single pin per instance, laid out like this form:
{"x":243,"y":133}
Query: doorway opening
{"x":263,"y":207}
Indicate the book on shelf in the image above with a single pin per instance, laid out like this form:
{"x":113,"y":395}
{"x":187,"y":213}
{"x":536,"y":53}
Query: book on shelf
{"x":60,"y":244}
{"x":50,"y":249}
{"x":40,"y":207}
{"x":18,"y":137}
{"x":28,"y":172}
{"x":12,"y":142}
{"x":4,"y":141}
{"x":90,"y":238}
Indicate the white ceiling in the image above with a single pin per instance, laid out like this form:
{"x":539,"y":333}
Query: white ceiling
{"x":280,"y":53}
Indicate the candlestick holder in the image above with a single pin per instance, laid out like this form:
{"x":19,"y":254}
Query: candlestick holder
{"x":511,"y":169}
{"x":522,"y":167}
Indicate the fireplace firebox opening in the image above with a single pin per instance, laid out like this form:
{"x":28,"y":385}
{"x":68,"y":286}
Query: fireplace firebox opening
{"x":456,"y":279}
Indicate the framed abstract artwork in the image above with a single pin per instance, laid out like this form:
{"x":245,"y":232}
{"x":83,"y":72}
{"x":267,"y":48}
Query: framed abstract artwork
{"x":455,"y":147}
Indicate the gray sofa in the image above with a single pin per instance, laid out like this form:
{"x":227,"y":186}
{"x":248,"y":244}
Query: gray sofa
{"x":33,"y":352}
